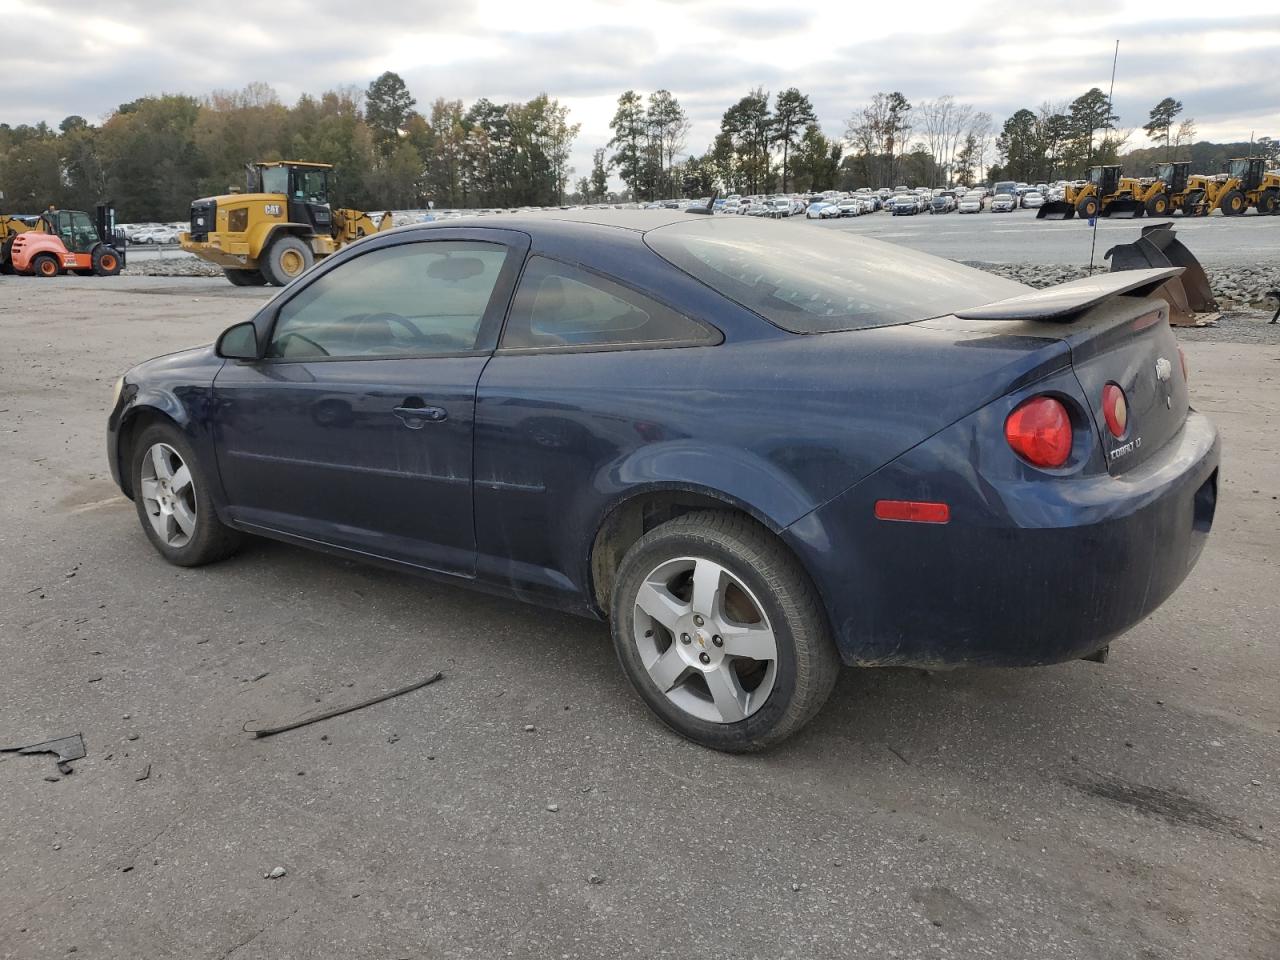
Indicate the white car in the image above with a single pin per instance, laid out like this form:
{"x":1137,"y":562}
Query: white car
{"x":1033,"y":199}
{"x":971,"y":202}
{"x":1003,"y":203}
{"x":851,"y":208}
{"x":160,"y":234}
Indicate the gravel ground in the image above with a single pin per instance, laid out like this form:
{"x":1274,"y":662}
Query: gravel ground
{"x":1076,"y":812}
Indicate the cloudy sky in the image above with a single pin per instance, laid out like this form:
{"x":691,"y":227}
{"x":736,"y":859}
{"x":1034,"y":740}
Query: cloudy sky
{"x":998,"y":56}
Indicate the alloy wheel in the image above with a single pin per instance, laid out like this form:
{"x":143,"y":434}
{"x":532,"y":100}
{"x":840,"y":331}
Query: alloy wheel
{"x":705,"y":639}
{"x":168,"y":495}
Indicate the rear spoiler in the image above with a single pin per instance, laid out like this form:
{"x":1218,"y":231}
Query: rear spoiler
{"x":1066,"y":301}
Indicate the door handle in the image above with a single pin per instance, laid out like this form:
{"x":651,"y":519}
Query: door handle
{"x":415,"y":418}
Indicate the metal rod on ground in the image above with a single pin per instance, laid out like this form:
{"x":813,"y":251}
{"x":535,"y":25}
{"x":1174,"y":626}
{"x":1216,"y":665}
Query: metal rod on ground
{"x":1093,"y":242}
{"x":271,"y":731}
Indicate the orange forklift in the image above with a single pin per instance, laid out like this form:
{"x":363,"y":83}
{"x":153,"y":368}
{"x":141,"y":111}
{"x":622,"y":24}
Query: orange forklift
{"x":63,"y":241}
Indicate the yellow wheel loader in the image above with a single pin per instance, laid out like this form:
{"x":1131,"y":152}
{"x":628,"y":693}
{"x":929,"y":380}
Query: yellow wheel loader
{"x":1166,"y":193}
{"x":279,"y":228}
{"x":1246,"y":183}
{"x":1107,"y":193}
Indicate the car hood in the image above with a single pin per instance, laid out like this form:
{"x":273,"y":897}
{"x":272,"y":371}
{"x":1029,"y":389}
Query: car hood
{"x":193,"y":365}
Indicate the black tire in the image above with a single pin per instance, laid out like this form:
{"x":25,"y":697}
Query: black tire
{"x":807,"y":663}
{"x":210,"y":540}
{"x":286,"y":259}
{"x":1158,"y":206}
{"x":106,"y":261}
{"x":1269,"y":202}
{"x":1195,"y":204}
{"x":245,"y":278}
{"x":1088,"y":207}
{"x":6,"y":264}
{"x":45,"y":265}
{"x":1233,"y":204}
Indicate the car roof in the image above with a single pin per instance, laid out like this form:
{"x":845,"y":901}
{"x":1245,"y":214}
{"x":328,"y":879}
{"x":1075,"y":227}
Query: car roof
{"x":563,"y":221}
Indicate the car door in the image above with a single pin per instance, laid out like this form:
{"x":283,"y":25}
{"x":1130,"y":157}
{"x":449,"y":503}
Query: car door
{"x":355,"y":429}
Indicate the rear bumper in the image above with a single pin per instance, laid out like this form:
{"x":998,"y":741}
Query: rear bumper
{"x":1027,"y":572}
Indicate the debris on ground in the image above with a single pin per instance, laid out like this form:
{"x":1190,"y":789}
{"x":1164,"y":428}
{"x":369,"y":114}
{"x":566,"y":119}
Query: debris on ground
{"x":143,"y":774}
{"x":66,"y":749}
{"x":275,"y":874}
{"x":271,"y":731}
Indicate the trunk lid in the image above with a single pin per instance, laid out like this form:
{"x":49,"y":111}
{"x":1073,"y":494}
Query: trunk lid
{"x":1129,"y":342}
{"x":1116,"y":334}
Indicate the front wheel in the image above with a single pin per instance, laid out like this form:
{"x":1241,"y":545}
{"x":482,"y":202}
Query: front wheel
{"x":721,"y":633}
{"x":1088,"y":207}
{"x":171,"y":493}
{"x":1233,"y":204}
{"x":286,"y":259}
{"x":106,"y":261}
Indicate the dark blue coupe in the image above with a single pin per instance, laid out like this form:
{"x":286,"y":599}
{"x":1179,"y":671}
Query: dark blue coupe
{"x":757,"y":449}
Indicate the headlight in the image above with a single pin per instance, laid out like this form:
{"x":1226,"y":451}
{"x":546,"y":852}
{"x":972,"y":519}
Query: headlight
{"x":115,"y":392}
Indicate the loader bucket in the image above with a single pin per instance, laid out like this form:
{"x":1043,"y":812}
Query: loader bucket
{"x":1123,"y":209}
{"x":1056,"y":210}
{"x":1190,"y":293}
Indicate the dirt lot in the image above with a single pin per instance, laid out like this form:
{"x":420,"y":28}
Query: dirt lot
{"x":1081,"y":811}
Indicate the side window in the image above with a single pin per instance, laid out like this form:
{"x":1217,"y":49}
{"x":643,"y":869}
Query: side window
{"x":558,"y":305}
{"x":413,"y":299}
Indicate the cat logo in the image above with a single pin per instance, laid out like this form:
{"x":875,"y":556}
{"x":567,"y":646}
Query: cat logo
{"x":272,"y":210}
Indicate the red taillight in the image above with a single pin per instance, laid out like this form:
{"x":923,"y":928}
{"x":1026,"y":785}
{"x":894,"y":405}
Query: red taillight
{"x":1186,"y":372}
{"x":919,"y":511}
{"x":1039,"y":431}
{"x":1115,"y":409}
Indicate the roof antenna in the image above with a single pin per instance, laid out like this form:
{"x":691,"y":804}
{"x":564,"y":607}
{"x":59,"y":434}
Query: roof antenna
{"x":1093,"y":243}
{"x":709,"y":208}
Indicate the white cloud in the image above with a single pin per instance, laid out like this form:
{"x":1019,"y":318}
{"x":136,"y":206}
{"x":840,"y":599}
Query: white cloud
{"x":585,"y":52}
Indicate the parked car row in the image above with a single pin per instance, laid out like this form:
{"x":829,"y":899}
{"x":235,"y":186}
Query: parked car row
{"x":152,"y":232}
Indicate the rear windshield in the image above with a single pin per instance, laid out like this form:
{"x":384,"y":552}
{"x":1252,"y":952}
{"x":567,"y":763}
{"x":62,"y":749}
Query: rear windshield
{"x":807,"y":280}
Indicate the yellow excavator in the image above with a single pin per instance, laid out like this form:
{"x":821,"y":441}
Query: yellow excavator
{"x":277,"y":229}
{"x":1245,"y":183}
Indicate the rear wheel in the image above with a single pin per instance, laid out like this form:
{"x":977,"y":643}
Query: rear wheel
{"x":1088,"y":207}
{"x":721,"y":633}
{"x":1158,"y":206}
{"x":106,"y":262}
{"x":1233,"y":204}
{"x":171,"y":493}
{"x":45,"y":265}
{"x":1269,"y":202}
{"x":245,"y":278}
{"x":286,"y":259}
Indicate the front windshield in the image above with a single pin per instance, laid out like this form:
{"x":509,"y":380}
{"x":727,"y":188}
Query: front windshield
{"x":311,"y":185}
{"x":1238,"y":168}
{"x":806,"y":283}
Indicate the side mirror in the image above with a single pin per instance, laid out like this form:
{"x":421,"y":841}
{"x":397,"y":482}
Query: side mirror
{"x":239,"y":342}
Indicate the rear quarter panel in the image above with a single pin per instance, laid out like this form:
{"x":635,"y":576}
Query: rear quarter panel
{"x":774,"y":423}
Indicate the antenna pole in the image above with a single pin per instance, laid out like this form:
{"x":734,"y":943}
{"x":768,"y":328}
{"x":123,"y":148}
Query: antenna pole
{"x":1093,"y":242}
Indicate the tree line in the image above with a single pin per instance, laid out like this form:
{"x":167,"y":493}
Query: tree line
{"x":152,"y":156}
